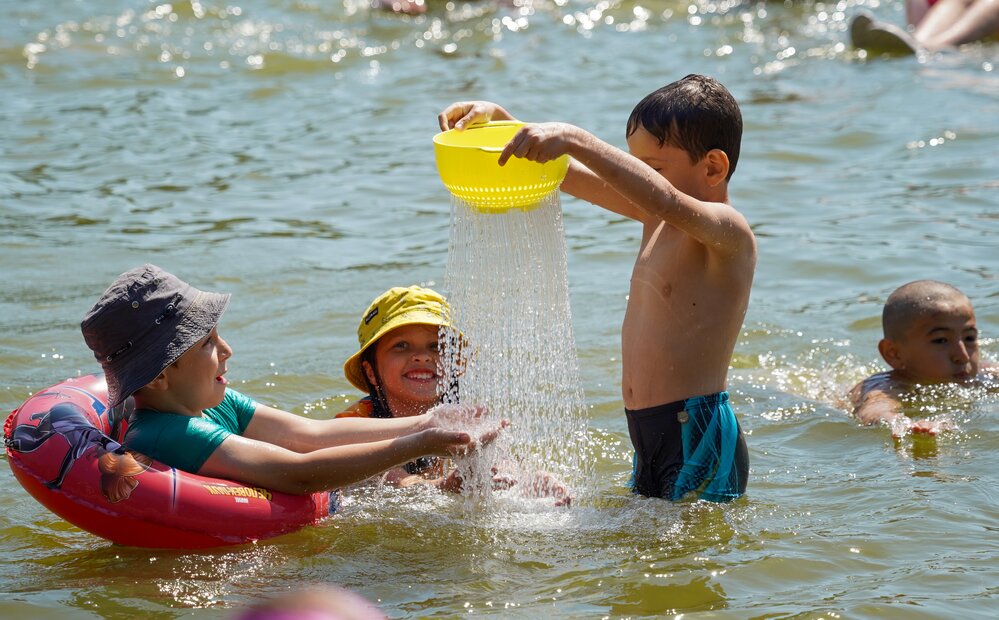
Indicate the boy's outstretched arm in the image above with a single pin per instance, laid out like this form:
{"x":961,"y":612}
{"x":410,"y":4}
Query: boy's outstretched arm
{"x":875,"y":405}
{"x":716,"y":225}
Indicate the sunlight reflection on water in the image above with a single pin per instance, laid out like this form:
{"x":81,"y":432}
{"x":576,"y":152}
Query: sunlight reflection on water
{"x":282,"y":151}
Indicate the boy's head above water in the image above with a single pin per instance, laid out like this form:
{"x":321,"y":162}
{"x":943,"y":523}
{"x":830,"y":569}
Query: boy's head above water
{"x":930,"y":335}
{"x":143,"y":323}
{"x":696,"y":115}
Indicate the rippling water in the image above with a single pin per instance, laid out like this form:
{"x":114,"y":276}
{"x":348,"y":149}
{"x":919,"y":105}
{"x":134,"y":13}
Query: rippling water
{"x":281,"y":150}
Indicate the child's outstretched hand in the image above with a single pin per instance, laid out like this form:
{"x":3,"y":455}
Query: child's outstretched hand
{"x":903,"y":424}
{"x":931,"y":427}
{"x":544,"y":484}
{"x":540,"y":142}
{"x":468,"y":420}
{"x":459,"y":417}
{"x":444,"y":442}
{"x":461,"y":114}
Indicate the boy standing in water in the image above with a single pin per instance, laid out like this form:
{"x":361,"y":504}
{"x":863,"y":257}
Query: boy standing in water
{"x":930,"y":337}
{"x":691,"y":282}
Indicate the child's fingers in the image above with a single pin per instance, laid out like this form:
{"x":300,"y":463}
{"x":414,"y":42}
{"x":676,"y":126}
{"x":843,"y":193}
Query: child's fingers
{"x":565,"y":501}
{"x":461,"y":114}
{"x":503,"y":482}
{"x":454,"y":115}
{"x":532,"y":143}
{"x":485,"y":438}
{"x":488,"y":437}
{"x":518,"y":146}
{"x":509,"y":150}
{"x":444,"y":121}
{"x":476,"y":411}
{"x":457,"y":441}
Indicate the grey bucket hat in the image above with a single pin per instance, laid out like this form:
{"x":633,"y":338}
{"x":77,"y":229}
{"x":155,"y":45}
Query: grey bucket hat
{"x":143,"y":323}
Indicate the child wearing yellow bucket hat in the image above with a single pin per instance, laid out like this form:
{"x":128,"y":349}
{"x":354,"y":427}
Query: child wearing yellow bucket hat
{"x":398,"y":364}
{"x":400,"y":327}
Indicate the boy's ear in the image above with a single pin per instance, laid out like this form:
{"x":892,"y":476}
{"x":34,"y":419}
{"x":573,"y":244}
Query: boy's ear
{"x":369,"y":372}
{"x":160,"y":383}
{"x":889,"y":351}
{"x":716,"y":166}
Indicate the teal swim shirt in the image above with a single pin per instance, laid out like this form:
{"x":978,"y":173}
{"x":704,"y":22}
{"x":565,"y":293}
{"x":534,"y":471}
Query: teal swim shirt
{"x":184,"y":442}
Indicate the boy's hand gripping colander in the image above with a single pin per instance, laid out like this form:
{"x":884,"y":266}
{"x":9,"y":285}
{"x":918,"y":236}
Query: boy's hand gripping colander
{"x":467,"y":164}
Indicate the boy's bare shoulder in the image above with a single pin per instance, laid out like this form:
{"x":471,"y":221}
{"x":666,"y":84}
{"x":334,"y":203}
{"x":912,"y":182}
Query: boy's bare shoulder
{"x":730,"y":235}
{"x":883,"y":383}
{"x":738,"y":236}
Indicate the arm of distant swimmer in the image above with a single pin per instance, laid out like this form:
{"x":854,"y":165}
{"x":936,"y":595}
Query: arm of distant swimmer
{"x":878,"y":405}
{"x":874,"y":406}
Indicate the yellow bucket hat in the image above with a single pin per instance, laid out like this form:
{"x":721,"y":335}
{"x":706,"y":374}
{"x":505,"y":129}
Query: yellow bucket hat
{"x":394,"y":308}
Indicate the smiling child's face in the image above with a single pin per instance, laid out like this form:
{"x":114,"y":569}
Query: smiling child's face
{"x":407,"y":359}
{"x":939,"y":346}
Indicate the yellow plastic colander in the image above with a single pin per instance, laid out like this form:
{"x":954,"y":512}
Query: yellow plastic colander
{"x":467,"y":164}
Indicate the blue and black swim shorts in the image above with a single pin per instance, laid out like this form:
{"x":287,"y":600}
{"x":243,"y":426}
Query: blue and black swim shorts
{"x":689,"y":445}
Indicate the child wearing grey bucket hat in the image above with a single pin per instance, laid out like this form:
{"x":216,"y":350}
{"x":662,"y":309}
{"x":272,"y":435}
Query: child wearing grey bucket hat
{"x":143,"y":323}
{"x":156,"y":337}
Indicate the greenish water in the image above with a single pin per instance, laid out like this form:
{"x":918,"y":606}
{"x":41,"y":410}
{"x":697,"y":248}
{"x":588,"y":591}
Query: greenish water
{"x":280,"y":150}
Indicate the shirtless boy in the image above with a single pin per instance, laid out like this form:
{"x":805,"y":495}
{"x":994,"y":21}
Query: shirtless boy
{"x":691,"y":282}
{"x":930,"y":337}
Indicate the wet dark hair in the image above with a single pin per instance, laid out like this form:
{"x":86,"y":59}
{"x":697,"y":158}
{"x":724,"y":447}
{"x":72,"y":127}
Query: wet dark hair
{"x":696,"y":114}
{"x":379,"y":403}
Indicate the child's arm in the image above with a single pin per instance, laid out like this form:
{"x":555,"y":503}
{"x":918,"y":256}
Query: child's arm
{"x":874,"y":405}
{"x":271,"y":466}
{"x":714,"y":224}
{"x":609,"y":177}
{"x":878,"y":405}
{"x":301,"y":434}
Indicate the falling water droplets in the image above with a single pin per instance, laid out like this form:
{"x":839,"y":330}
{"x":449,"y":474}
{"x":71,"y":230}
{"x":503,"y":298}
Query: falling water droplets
{"x":507,"y":287}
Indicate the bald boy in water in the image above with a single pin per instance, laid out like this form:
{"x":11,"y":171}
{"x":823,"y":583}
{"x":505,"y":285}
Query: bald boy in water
{"x":930,"y":337}
{"x":691,"y":282}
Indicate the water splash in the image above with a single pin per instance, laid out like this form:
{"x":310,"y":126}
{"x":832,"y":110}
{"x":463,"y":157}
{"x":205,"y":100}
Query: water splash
{"x":507,"y":287}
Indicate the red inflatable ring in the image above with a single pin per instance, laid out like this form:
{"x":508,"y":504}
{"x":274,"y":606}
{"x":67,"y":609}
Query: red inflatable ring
{"x":63,"y":446}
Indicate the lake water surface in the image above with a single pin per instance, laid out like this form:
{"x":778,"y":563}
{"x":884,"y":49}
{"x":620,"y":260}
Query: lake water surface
{"x":281,"y":150}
